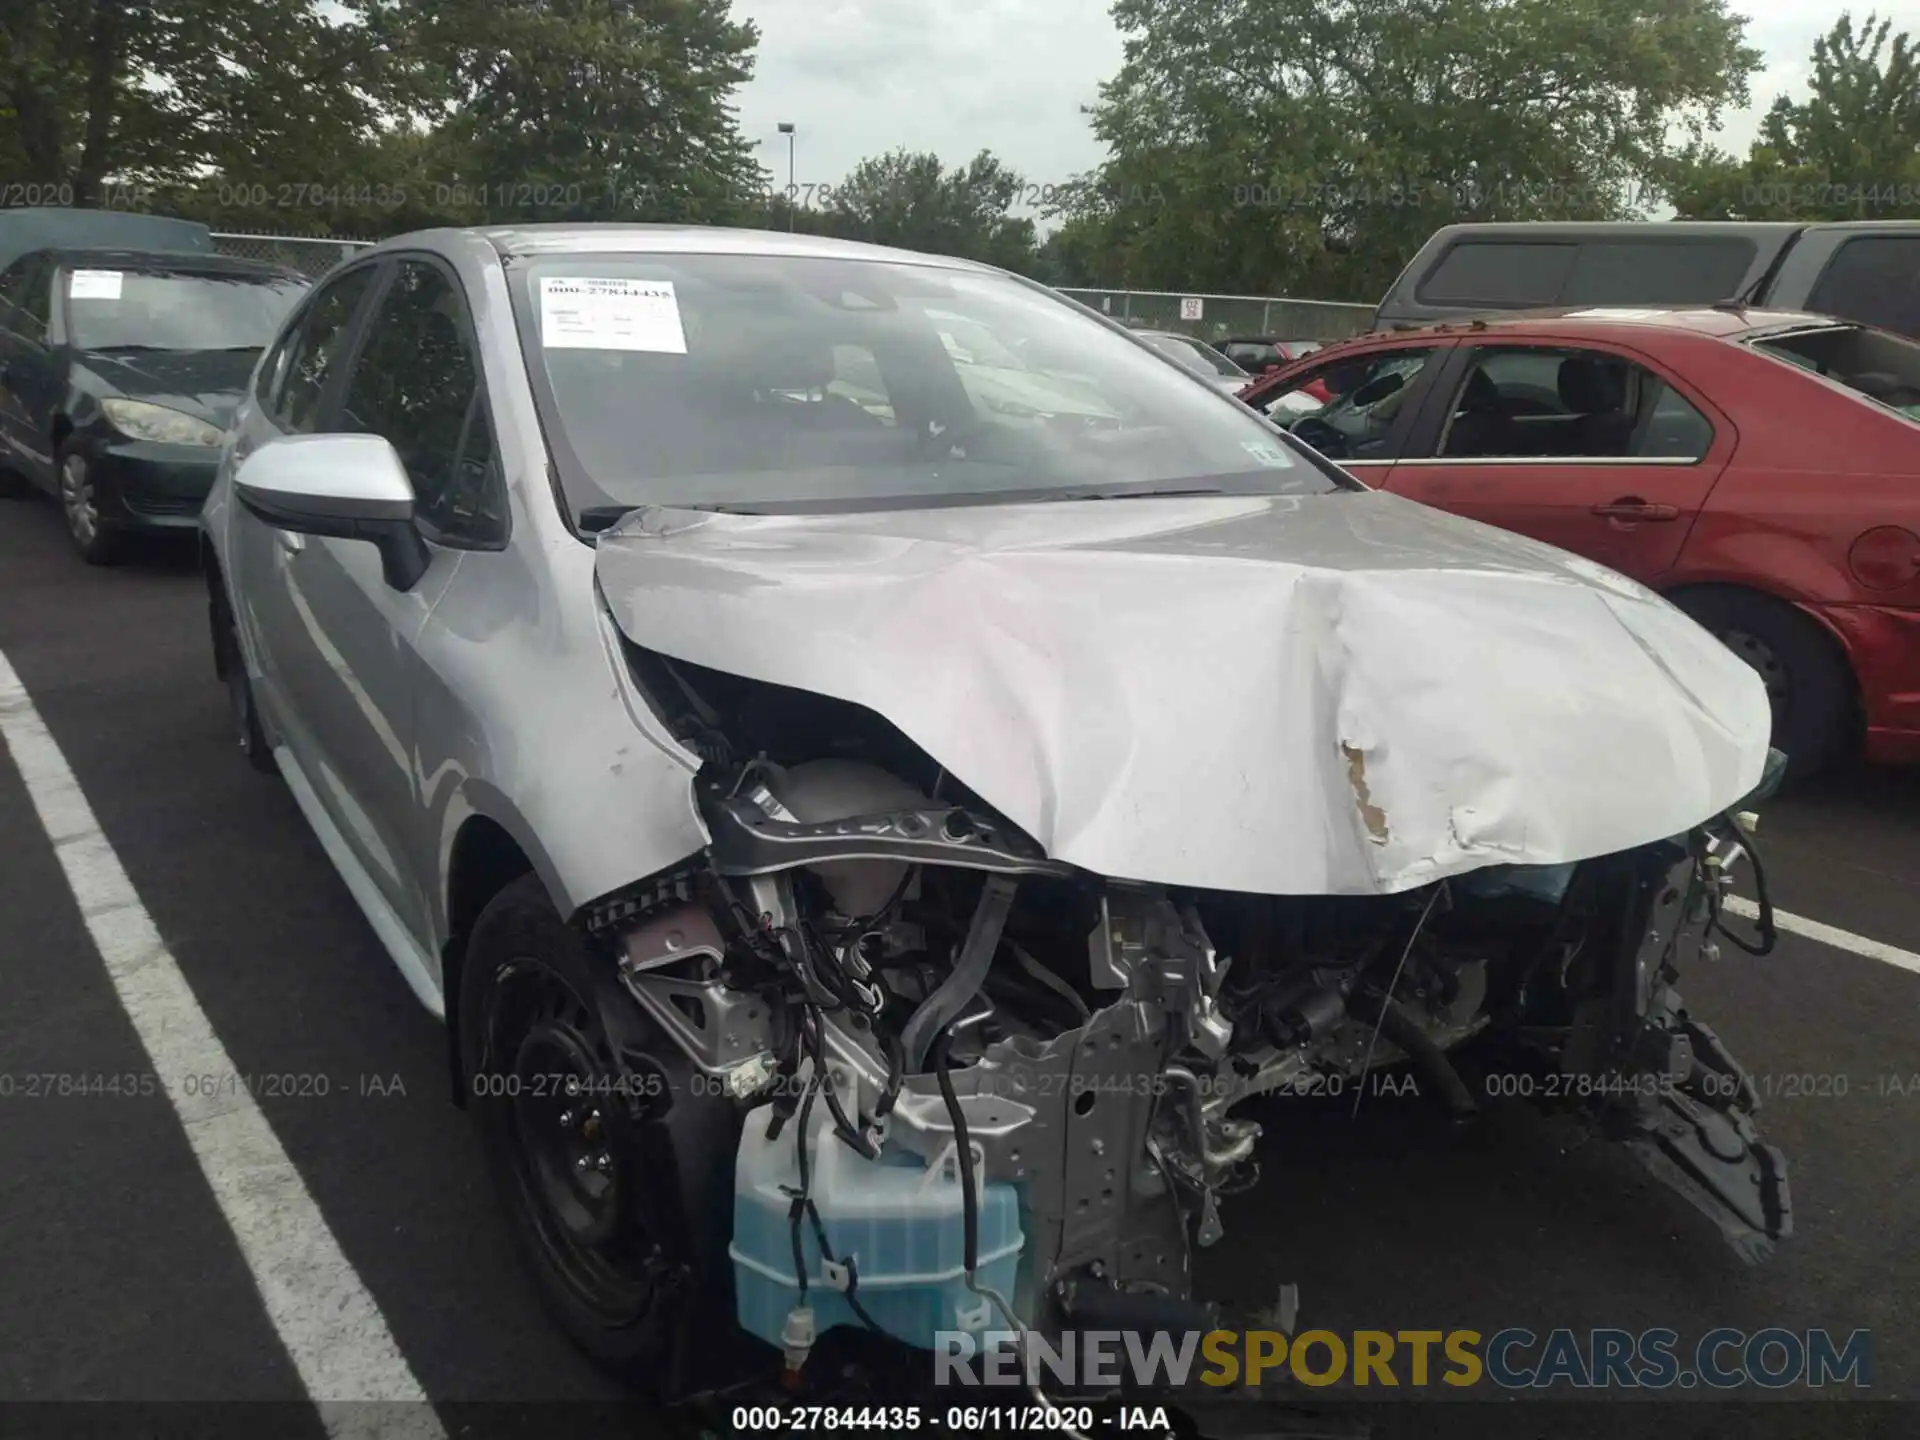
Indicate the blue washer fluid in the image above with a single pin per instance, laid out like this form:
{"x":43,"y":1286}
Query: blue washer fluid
{"x":898,"y":1219}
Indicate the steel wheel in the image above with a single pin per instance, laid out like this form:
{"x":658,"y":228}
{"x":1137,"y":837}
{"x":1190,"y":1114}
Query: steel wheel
{"x":562,"y":1130}
{"x":622,"y":1217}
{"x":1760,"y":655}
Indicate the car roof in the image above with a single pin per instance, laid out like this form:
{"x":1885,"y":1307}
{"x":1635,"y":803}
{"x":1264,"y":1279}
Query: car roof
{"x":1865,"y":225}
{"x":1604,"y":229}
{"x":1710,"y":320}
{"x":123,"y":258}
{"x":512,"y":241}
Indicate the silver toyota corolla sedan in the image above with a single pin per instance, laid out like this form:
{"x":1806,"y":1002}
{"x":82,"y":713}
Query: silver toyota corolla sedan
{"x":885,"y":778}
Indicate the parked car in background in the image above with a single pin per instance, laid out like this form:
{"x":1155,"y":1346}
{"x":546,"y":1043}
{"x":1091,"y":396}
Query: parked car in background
{"x":1198,"y":356}
{"x":1867,"y":271}
{"x":119,"y":370}
{"x":1761,"y":469}
{"x":47,"y":227}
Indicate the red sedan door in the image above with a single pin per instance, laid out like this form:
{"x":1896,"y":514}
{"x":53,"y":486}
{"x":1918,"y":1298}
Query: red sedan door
{"x":1589,"y":447}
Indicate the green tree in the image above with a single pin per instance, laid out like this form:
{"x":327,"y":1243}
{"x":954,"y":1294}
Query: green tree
{"x":593,"y":109}
{"x":1850,"y":150}
{"x":105,"y":95}
{"x":911,"y":200}
{"x":368,"y":117}
{"x":1302,"y":146}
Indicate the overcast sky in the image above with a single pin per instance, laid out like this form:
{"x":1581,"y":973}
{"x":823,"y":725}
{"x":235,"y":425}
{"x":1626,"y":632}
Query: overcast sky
{"x":860,"y":77}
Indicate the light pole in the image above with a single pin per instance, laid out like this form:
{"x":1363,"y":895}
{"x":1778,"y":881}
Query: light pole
{"x":786,"y":129}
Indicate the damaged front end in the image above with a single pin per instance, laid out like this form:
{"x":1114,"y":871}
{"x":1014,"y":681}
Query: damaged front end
{"x":982,"y":1090}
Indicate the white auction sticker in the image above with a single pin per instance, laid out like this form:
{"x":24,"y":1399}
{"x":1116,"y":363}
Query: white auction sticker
{"x":594,"y":313}
{"x":94,"y":285}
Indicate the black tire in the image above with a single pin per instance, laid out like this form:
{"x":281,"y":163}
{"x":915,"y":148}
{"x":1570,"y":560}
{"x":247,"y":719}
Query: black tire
{"x":92,"y":540}
{"x":1809,"y":683}
{"x":585,"y":1232}
{"x":232,"y":666}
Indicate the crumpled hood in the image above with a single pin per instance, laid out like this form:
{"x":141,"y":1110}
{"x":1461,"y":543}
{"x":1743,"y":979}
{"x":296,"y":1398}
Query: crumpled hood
{"x":1338,"y":694}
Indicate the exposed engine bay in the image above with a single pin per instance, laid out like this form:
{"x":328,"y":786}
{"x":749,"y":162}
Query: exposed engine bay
{"x":979,"y":1089}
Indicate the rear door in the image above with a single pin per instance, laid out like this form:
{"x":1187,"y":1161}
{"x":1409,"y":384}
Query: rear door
{"x":1598,"y":450}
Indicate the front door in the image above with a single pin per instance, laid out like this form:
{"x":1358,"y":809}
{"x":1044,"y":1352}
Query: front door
{"x":350,"y":667}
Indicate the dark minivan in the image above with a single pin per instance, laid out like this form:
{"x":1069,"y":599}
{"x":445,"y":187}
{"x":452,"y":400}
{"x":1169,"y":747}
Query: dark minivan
{"x":1866,"y":271}
{"x":119,"y":370}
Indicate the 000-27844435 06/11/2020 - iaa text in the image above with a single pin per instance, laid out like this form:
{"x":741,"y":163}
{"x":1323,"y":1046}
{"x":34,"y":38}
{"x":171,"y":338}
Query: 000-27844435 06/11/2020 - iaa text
{"x":140,"y":1084}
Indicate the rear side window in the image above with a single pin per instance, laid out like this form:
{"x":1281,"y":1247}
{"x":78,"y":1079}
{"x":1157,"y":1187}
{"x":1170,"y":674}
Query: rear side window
{"x":1521,"y":274}
{"x":1655,"y":272}
{"x":1877,"y":366}
{"x":316,"y":348}
{"x":1875,"y":280}
{"x":1498,"y":272}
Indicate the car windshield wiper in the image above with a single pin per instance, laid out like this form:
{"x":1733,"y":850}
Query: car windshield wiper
{"x":1125,"y":492}
{"x":596,"y":518}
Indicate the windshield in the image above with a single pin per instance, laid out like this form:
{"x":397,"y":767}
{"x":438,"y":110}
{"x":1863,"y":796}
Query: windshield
{"x":176,"y":310}
{"x":1881,"y":367}
{"x":764,"y":382}
{"x":1198,"y":357}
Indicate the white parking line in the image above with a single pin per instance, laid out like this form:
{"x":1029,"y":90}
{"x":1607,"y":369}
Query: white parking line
{"x":1830,"y":935}
{"x":329,"y":1323}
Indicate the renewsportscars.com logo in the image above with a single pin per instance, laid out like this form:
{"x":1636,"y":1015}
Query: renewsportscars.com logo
{"x":1512,"y":1359}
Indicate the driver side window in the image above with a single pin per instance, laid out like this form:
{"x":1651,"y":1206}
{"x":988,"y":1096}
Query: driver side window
{"x":1349,"y":409}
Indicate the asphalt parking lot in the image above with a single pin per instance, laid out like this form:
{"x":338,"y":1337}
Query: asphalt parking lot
{"x":122,"y":1279}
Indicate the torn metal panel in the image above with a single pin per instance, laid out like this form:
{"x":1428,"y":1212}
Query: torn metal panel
{"x":1358,"y":694}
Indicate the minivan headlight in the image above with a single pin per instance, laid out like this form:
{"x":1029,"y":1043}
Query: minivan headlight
{"x":138,"y":420}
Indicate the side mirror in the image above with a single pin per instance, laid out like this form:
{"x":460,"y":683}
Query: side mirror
{"x":349,"y":487}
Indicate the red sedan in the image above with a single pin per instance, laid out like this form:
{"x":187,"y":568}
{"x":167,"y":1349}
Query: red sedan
{"x":1760,"y":469}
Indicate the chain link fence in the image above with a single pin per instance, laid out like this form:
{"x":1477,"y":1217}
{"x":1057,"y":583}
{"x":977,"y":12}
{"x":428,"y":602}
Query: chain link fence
{"x":1222,"y":316}
{"x":311,"y":255}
